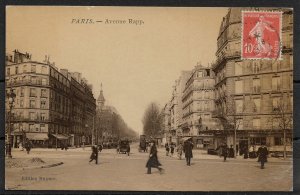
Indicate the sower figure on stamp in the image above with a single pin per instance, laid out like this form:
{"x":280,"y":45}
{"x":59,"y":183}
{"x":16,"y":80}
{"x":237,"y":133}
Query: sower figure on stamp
{"x":257,"y":32}
{"x":187,"y":149}
{"x":94,"y":155}
{"x":262,"y":154}
{"x":153,"y":161}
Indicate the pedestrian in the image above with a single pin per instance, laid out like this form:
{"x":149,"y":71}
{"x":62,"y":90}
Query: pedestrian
{"x":21,"y":146}
{"x":100,"y":147}
{"x":94,"y":155}
{"x":187,"y":149}
{"x":167,"y":149}
{"x":231,"y":152}
{"x":252,"y":152}
{"x":153,"y":160}
{"x":179,"y":150}
{"x":246,"y":152}
{"x":172,"y":148}
{"x":28,"y":146}
{"x":262,"y":154}
{"x":225,"y":150}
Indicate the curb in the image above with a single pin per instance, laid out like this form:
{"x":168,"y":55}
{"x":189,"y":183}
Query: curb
{"x":52,"y":165}
{"x":44,"y":166}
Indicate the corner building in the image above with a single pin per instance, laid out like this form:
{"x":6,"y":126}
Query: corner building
{"x":45,"y":105}
{"x":256,"y":87}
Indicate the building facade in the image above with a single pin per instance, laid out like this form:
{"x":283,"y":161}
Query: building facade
{"x":198,"y":106}
{"x":43,"y":110}
{"x":250,"y":94}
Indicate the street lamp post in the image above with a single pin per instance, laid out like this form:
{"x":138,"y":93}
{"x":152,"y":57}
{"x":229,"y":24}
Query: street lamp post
{"x":11,"y":98}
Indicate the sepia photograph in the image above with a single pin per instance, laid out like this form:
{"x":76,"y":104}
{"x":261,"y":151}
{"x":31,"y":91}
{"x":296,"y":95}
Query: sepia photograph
{"x":149,"y":98}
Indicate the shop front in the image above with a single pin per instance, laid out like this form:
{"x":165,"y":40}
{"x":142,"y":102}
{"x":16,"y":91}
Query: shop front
{"x":38,"y":140}
{"x":59,"y":140}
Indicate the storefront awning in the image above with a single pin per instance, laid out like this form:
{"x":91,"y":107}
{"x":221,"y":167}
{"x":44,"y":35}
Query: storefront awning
{"x":60,"y":136}
{"x":37,"y":136}
{"x":186,"y":138}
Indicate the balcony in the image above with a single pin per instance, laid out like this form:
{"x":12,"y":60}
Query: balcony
{"x":225,"y":56}
{"x":30,"y":119}
{"x":26,"y":82}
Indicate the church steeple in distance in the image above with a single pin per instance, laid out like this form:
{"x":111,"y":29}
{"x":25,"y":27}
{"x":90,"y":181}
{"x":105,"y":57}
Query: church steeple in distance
{"x":101,"y":99}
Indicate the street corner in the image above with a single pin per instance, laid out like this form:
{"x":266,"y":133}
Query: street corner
{"x":30,"y":163}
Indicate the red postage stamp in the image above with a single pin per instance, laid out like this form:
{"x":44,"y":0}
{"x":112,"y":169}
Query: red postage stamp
{"x":261,"y":35}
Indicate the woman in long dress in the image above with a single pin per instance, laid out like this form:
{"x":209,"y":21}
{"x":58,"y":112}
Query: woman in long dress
{"x":153,"y":161}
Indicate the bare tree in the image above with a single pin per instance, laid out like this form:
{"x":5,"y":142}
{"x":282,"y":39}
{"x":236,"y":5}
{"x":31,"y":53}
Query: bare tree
{"x":283,"y":115}
{"x":230,"y":116}
{"x":152,"y":120}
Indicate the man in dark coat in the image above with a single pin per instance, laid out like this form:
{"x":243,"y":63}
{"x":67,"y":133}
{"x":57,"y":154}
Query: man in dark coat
{"x":28,"y":146}
{"x":153,"y":161}
{"x":187,"y":149}
{"x":262,"y":154}
{"x":231,"y":152}
{"x":94,"y":155}
{"x":225,"y":151}
{"x":167,"y":149}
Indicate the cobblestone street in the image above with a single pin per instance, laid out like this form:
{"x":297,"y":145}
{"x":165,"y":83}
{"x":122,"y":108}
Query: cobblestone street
{"x":122,"y":172}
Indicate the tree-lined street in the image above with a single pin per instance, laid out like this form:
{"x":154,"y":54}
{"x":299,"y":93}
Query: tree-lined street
{"x":122,"y":172}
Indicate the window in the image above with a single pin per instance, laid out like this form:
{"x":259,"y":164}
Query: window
{"x":256,"y":67}
{"x":43,"y":127}
{"x":24,"y":68}
{"x":17,"y":70}
{"x":44,"y":70}
{"x":33,"y":80}
{"x":31,"y":127}
{"x":32,"y":92}
{"x":43,"y":103}
{"x":43,"y":93}
{"x":33,"y":68}
{"x":22,"y":92}
{"x":200,"y":74}
{"x":239,"y":124}
{"x":278,"y":141}
{"x":206,"y":106}
{"x":256,"y":85}
{"x":206,"y":94}
{"x":21,"y":103}
{"x":32,"y":116}
{"x":32,"y":103}
{"x":275,"y":123}
{"x":43,"y":116}
{"x":258,"y":140}
{"x":239,"y":106}
{"x":256,"y":105}
{"x":276,"y":83}
{"x":44,"y":81}
{"x":239,"y":88}
{"x":208,"y":72}
{"x":238,"y":68}
{"x":256,"y":123}
{"x":275,"y":103}
{"x":8,"y":71}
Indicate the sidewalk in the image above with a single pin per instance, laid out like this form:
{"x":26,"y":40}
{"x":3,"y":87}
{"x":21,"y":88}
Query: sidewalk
{"x":202,"y":155}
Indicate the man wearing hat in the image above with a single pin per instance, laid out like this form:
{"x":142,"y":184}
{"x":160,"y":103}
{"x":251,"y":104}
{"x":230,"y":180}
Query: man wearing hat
{"x":187,"y":149}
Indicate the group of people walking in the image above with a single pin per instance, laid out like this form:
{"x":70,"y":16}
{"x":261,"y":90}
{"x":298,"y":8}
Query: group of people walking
{"x":261,"y":154}
{"x":186,"y":147}
{"x":153,"y":162}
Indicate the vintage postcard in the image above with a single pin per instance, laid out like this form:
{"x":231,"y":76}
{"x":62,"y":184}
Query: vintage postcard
{"x":149,"y":98}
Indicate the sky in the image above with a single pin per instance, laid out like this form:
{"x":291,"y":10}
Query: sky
{"x":137,"y":64}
